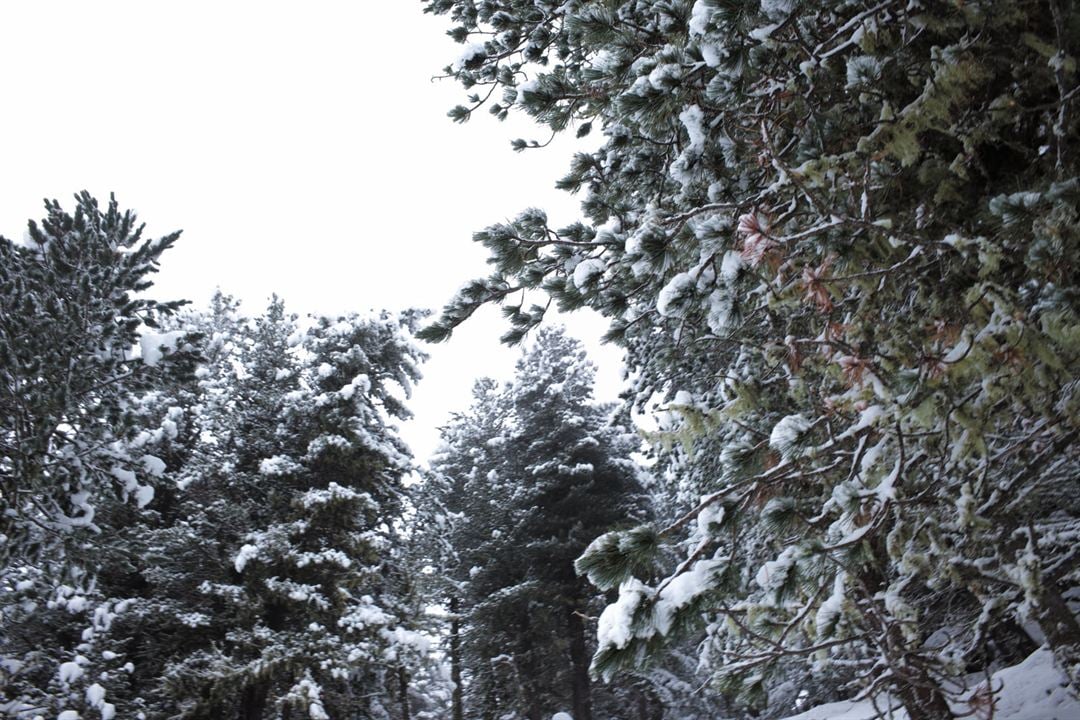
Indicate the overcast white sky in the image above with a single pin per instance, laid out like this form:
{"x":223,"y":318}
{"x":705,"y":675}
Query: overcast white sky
{"x":302,"y":148}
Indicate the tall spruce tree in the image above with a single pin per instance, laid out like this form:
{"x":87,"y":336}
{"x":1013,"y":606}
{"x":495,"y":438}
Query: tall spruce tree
{"x":458,"y":512}
{"x":532,"y":474}
{"x":838,"y":240}
{"x":300,"y":600}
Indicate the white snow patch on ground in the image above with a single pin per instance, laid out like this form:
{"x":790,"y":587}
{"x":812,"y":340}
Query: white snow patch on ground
{"x":1031,"y":690}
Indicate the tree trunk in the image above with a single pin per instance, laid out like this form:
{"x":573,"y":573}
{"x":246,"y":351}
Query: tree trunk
{"x":253,"y":700}
{"x":921,"y":695}
{"x":526,"y":686}
{"x":403,"y":692}
{"x":649,"y":706}
{"x":457,"y":695}
{"x":579,"y":661}
{"x":491,"y":701}
{"x":925,"y":701}
{"x":1061,"y":630}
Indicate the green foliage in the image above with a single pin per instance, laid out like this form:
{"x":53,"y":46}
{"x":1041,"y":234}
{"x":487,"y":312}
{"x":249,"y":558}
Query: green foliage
{"x":616,"y":556}
{"x":839,"y":245}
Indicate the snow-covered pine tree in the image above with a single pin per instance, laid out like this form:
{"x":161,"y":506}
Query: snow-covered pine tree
{"x":154,"y":567}
{"x":316,"y":623}
{"x":342,"y":543}
{"x":845,"y":235}
{"x":79,"y":350}
{"x":457,"y":512}
{"x":265,"y":580}
{"x":425,"y":686}
{"x":176,"y":629}
{"x":532,"y":473}
{"x":70,"y":325}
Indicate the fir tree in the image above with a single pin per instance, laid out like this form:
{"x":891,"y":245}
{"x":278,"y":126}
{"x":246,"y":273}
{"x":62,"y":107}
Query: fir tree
{"x":455,"y":514}
{"x":532,"y":473}
{"x":304,"y":599}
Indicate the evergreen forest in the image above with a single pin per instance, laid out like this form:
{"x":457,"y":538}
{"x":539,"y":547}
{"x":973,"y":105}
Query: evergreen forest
{"x":837,"y":244}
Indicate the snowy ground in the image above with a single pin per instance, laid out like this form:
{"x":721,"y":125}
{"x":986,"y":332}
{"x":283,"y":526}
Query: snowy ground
{"x":1032,"y":690}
